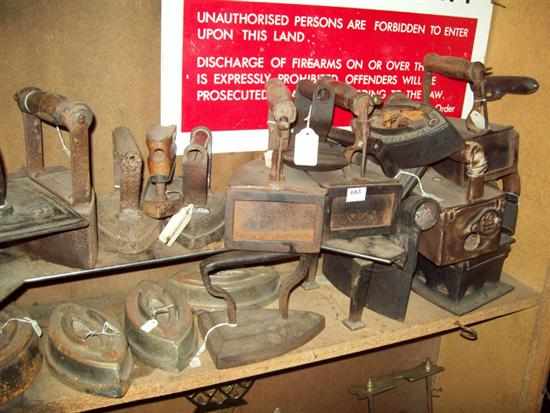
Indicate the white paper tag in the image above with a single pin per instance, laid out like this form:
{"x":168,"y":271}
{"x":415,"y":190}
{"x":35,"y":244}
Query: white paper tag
{"x":477,"y":119}
{"x":149,"y":325}
{"x":176,"y":225}
{"x":268,"y":156}
{"x":356,"y":194}
{"x":306,"y":147}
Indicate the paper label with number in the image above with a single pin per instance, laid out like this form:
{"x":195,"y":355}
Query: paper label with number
{"x":356,"y":194}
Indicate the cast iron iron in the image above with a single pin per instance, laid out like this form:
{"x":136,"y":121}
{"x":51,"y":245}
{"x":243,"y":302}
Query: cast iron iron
{"x":159,"y":326}
{"x":123,"y":227}
{"x":87,"y":350}
{"x":20,"y":358}
{"x":72,"y":187}
{"x":249,"y":287}
{"x":207,"y":217}
{"x":259,"y":334}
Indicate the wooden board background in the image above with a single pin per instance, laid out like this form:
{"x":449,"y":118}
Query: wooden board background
{"x":107,"y":54}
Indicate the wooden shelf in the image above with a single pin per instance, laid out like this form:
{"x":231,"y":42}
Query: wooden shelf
{"x":423,"y":319}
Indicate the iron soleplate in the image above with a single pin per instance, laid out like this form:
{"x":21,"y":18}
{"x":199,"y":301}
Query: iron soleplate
{"x":259,"y":335}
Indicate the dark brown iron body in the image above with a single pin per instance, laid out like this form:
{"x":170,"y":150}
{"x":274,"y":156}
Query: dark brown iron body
{"x":96,"y":364}
{"x":172,"y":343}
{"x":20,"y":358}
{"x":123,"y":227}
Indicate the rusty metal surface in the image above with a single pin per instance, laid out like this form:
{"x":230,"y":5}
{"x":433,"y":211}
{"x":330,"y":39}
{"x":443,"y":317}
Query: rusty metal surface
{"x":171,"y":344}
{"x":32,"y":210}
{"x":83,"y":359}
{"x":162,"y":195}
{"x":465,"y":229}
{"x":376,"y":214}
{"x":206,"y":225}
{"x":75,"y":248}
{"x":196,"y":167}
{"x":259,"y":334}
{"x":273,"y":216}
{"x":474,"y":73}
{"x":250,"y":287}
{"x":123,"y":227}
{"x":20,"y":358}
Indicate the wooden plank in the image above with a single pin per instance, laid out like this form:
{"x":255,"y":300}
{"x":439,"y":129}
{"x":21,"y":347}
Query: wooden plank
{"x":423,"y":319}
{"x":538,"y":363}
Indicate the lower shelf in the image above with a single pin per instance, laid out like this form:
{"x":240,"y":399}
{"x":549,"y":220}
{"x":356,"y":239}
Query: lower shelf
{"x":423,"y":319}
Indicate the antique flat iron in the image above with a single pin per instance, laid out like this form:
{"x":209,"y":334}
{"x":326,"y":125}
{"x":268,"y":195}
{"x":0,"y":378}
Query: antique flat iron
{"x":249,"y":287}
{"x":255,"y":334}
{"x":162,"y":196}
{"x":123,"y":227}
{"x":159,"y":326}
{"x":72,"y":188}
{"x":274,"y":208}
{"x":20,"y":358}
{"x":500,"y":143}
{"x":206,"y":224}
{"x":87,"y":350}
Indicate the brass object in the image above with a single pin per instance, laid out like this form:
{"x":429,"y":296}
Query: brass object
{"x":162,"y":196}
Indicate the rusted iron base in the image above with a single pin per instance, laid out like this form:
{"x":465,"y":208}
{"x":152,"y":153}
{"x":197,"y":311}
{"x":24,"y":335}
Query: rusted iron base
{"x":259,"y":335}
{"x":206,"y":225}
{"x":162,"y":208}
{"x":249,"y":287}
{"x":127,"y":232}
{"x":97,"y":365}
{"x":75,"y":248}
{"x":173,"y":342}
{"x":20,"y":359}
{"x":32,"y":210}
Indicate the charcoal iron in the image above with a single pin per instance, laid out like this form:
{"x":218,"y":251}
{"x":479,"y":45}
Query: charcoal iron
{"x":405,"y":134}
{"x":500,"y":143}
{"x":123,"y":227}
{"x":383,"y":288}
{"x":249,"y":287}
{"x":260,"y":334}
{"x":87,"y":350}
{"x":72,"y":187}
{"x":162,"y":196}
{"x":274,"y":209}
{"x":461,"y":288}
{"x":159,"y":326}
{"x":20,"y":358}
{"x":470,"y":220}
{"x":207,"y":217}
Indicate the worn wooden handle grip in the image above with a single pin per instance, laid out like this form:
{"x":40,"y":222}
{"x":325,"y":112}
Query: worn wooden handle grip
{"x":53,"y":108}
{"x":449,"y":66}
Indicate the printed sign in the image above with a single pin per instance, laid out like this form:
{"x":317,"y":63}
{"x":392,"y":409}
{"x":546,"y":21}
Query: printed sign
{"x":229,"y":49}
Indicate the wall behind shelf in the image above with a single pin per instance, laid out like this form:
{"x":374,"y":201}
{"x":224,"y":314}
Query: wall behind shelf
{"x":107,"y":54}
